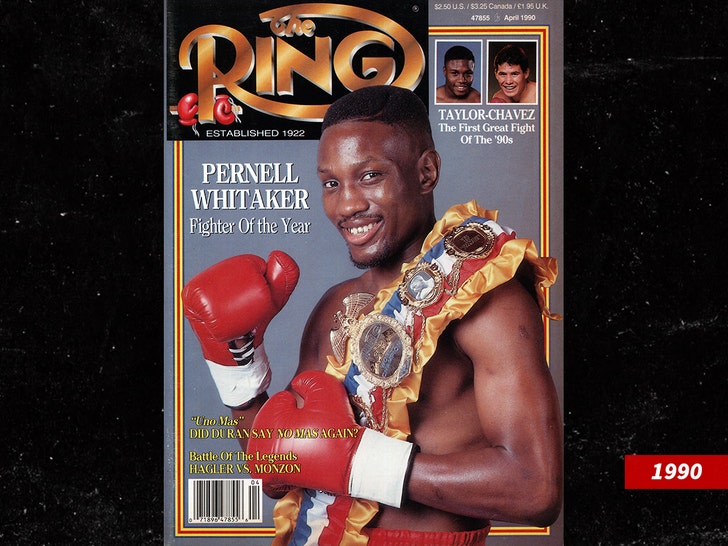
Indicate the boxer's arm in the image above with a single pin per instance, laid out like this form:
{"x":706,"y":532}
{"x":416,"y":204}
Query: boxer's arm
{"x":519,"y":478}
{"x":229,"y":306}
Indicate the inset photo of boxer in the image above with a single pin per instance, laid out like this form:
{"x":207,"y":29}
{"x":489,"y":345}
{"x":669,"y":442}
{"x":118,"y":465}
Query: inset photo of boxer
{"x":459,"y":72}
{"x":513,"y":72}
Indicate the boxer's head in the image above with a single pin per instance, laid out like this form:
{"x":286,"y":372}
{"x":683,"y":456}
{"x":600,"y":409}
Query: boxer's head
{"x":459,"y":71}
{"x":378,"y":167}
{"x":511,"y":70}
{"x":385,"y":103}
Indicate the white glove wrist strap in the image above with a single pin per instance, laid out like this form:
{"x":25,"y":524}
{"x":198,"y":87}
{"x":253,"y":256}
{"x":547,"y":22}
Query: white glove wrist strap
{"x":240,"y":384}
{"x":379,"y":468}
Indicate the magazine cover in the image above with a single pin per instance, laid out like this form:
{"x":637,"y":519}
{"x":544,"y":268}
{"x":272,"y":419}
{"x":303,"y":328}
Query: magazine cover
{"x":363,"y":228}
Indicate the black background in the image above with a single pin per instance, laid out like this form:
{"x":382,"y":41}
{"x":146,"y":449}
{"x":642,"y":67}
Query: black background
{"x":81,"y":227}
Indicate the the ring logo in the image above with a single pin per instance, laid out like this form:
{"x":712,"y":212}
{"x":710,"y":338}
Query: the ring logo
{"x":260,"y":75}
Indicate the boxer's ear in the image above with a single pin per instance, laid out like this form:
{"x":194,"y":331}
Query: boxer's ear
{"x":429,"y":170}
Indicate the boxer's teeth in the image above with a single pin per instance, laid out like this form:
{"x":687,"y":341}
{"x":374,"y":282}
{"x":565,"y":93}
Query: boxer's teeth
{"x":361,"y":229}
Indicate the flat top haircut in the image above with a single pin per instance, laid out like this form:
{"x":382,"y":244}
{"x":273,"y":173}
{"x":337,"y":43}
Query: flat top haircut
{"x":386,"y":104}
{"x":458,"y":53}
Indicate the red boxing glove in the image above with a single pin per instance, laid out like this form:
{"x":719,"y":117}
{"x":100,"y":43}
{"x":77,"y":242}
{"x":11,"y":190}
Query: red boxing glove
{"x":335,"y":454}
{"x":230,"y":304}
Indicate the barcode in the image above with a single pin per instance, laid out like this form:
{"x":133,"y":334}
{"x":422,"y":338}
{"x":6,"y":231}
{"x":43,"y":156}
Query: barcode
{"x":225,"y":501}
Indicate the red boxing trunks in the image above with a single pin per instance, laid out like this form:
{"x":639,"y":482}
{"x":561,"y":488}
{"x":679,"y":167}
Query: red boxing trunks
{"x":401,"y":537}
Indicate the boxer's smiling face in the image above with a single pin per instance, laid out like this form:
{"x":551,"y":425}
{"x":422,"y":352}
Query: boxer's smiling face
{"x":459,"y":77}
{"x":512,"y":80}
{"x":371,"y":176}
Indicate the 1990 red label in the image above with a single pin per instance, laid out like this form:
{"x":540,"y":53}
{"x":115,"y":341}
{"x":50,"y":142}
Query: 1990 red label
{"x":676,"y":472}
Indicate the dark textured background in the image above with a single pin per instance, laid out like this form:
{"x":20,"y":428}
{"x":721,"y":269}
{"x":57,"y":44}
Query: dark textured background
{"x":81,"y":230}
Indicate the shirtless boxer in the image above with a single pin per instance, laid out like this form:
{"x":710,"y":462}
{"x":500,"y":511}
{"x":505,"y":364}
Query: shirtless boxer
{"x":480,"y":437}
{"x":458,"y":70}
{"x":512,"y":70}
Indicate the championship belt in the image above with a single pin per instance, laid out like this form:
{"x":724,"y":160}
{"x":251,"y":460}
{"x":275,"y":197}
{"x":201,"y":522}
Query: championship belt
{"x":385,"y":346}
{"x":380,"y":356}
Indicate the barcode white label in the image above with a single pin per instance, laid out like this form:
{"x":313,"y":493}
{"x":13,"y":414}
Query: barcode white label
{"x":225,"y":501}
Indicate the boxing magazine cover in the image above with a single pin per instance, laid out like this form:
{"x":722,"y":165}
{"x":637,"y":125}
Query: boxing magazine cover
{"x":247,"y":85}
